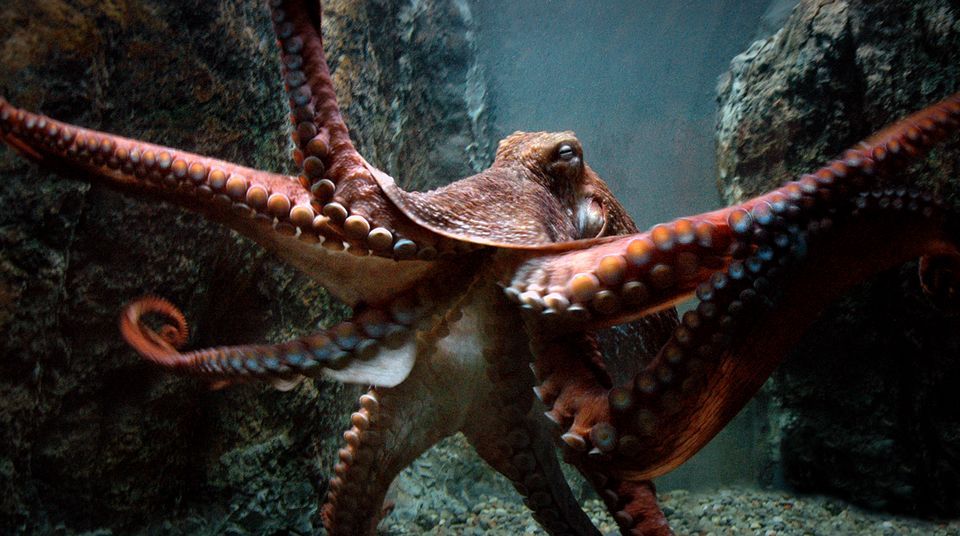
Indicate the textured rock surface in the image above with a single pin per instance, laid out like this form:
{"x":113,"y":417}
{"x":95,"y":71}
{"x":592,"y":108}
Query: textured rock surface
{"x":92,"y":437}
{"x":870,"y":407}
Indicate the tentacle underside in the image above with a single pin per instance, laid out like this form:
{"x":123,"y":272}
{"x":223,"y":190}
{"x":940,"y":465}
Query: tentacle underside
{"x":569,"y":362}
{"x":375,"y":347}
{"x":274,"y":210}
{"x":518,"y":446}
{"x":432,"y":403}
{"x":781,"y":258}
{"x":348,"y":198}
{"x":611,"y":280}
{"x":309,"y":220}
{"x":379,"y":444}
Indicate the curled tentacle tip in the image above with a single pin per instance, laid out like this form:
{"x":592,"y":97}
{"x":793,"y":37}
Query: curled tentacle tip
{"x":161,"y":348}
{"x":140,"y":336}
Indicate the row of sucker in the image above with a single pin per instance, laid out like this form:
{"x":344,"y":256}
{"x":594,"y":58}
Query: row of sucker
{"x":770,"y":235}
{"x":772,"y":244}
{"x":567,"y":383}
{"x":517,"y":444}
{"x":324,"y":153}
{"x":906,"y":200}
{"x":656,"y":265}
{"x":272,"y":200}
{"x":767,"y":237}
{"x":358,"y":339}
{"x":911,"y":137}
{"x":630,"y":503}
{"x":555,"y":390}
{"x":607,"y":489}
{"x":647,"y":270}
{"x":354,"y":474}
{"x":729,"y":300}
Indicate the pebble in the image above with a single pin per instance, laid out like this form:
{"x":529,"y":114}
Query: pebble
{"x":702,"y":513}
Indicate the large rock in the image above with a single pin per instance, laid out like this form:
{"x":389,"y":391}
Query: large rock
{"x":95,"y":439}
{"x":869,"y":405}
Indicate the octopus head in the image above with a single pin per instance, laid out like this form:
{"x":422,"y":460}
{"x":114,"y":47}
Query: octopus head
{"x":555,"y":160}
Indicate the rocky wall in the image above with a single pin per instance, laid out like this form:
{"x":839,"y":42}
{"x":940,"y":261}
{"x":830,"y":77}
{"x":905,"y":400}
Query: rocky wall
{"x":868,"y":405}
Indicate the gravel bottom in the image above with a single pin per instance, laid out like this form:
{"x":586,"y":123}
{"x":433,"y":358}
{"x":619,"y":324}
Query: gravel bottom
{"x":723,"y":512}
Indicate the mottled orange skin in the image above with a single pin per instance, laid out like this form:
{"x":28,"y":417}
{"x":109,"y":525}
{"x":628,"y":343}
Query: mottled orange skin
{"x":528,"y":198}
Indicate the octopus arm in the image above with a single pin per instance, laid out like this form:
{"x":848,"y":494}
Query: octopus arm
{"x":612,"y":280}
{"x":717,"y":361}
{"x":517,"y":445}
{"x":340,"y":181}
{"x":785,"y":263}
{"x":571,"y":386}
{"x":622,"y":436}
{"x":607,"y":281}
{"x":508,"y":430}
{"x":376,"y":347}
{"x":274,"y":210}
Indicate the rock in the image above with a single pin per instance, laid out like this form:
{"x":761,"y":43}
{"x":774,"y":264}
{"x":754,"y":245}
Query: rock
{"x":868,"y":402}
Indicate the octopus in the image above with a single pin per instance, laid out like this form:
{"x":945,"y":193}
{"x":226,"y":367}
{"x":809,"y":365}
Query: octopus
{"x":478,"y":306}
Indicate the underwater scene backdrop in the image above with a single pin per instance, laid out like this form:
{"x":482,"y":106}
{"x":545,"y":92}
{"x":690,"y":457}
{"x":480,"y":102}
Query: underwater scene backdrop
{"x":96,"y":440}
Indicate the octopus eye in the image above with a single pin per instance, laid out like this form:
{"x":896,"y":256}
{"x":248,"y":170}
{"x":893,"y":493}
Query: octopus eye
{"x":563,"y":162}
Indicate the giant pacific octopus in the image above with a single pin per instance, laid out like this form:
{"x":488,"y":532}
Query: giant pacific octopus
{"x":477,"y":305}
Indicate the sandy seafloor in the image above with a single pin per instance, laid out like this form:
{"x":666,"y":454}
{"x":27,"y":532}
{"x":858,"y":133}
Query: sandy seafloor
{"x":722,"y":512}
